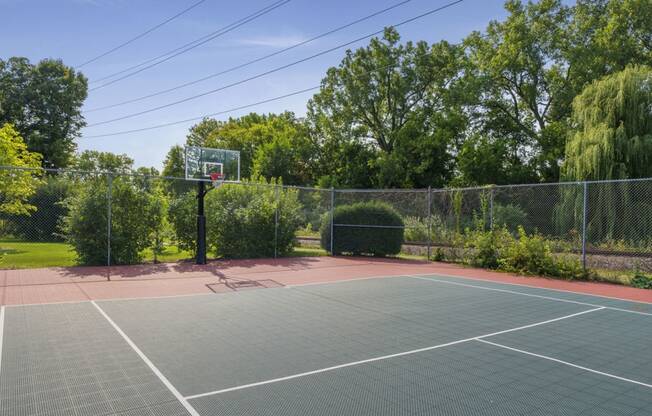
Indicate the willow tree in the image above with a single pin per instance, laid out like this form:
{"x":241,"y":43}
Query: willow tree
{"x":612,"y":139}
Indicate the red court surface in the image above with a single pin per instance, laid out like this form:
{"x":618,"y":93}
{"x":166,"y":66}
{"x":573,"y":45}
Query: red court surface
{"x":51,"y":285}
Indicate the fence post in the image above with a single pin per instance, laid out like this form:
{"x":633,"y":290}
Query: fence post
{"x":277,"y":201}
{"x":332,"y":217}
{"x":491,"y":208}
{"x":108,"y":220}
{"x":585,"y":210}
{"x":429,"y":220}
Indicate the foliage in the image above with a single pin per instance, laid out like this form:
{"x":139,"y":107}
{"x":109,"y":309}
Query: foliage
{"x":182,"y":215}
{"x":135,"y":216}
{"x":96,"y":161}
{"x":529,"y":254}
{"x":376,"y":241}
{"x":175,"y":166}
{"x":612,"y":137}
{"x":16,"y":186}
{"x":284,"y":157}
{"x":43,"y":102}
{"x":248,"y":133}
{"x":510,"y":216}
{"x":396,"y":95}
{"x":43,"y":223}
{"x":641,"y":281}
{"x":241,"y":220}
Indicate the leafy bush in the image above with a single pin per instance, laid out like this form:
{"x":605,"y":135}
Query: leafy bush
{"x":364,"y":240}
{"x":641,"y":281}
{"x":511,"y":216}
{"x":524,"y":254}
{"x":416,"y":229}
{"x":182,"y":216}
{"x":135,"y":215}
{"x":241,"y":220}
{"x":42,"y":224}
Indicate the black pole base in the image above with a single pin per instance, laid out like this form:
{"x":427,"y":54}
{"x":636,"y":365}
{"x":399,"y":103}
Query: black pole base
{"x":201,"y":239}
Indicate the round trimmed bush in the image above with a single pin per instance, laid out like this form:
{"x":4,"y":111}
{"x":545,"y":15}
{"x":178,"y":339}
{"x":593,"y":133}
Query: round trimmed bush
{"x":370,"y":236}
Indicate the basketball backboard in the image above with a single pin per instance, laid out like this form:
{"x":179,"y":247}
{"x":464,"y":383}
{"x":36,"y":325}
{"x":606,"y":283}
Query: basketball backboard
{"x":202,"y":161}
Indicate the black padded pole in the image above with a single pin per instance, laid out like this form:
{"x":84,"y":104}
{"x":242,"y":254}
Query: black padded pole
{"x":201,"y":224}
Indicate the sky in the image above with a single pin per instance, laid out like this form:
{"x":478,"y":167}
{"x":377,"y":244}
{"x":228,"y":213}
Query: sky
{"x":78,"y":30}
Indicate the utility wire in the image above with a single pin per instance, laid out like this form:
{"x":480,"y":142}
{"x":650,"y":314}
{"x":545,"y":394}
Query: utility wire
{"x":141,"y":35}
{"x":271,"y":71}
{"x":240,"y":66}
{"x":187,"y":47}
{"x":230,"y":110}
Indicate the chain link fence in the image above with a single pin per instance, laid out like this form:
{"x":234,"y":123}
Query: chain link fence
{"x":66,"y":217}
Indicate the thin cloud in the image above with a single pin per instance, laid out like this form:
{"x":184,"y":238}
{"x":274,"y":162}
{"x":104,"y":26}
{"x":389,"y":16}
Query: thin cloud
{"x":274,"y":41}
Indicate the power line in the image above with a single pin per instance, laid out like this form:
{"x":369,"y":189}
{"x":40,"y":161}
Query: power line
{"x":271,"y":71}
{"x":240,"y":66}
{"x":141,"y":35}
{"x":188,"y":46}
{"x":230,"y":110}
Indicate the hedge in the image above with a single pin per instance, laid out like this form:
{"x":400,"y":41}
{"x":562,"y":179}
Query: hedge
{"x":374,"y":240}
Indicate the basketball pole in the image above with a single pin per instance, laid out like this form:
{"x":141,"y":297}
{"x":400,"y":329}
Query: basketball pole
{"x":201,"y":224}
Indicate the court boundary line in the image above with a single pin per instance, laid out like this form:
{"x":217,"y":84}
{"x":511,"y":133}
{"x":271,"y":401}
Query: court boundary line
{"x":537,"y":287}
{"x":557,"y":360}
{"x":515,"y":292}
{"x":411,"y":275}
{"x":383,"y":357}
{"x":148,"y":362}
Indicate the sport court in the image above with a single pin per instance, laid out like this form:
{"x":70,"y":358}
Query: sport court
{"x":413,"y":344}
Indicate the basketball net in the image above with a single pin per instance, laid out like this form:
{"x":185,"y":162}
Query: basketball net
{"x":217,"y":179}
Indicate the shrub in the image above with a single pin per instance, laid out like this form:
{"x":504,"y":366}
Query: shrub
{"x":416,"y":230}
{"x":241,"y":220}
{"x":510,"y":216}
{"x":641,"y":281}
{"x":182,"y":216}
{"x":484,"y":247}
{"x":43,"y":223}
{"x":364,"y":240}
{"x":134,"y":217}
{"x":527,"y":254}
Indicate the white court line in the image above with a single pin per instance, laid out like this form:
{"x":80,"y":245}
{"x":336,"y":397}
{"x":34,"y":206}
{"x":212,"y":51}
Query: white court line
{"x":515,"y":292}
{"x":545,"y":357}
{"x":149,"y":363}
{"x":384,"y":357}
{"x":535,"y":287}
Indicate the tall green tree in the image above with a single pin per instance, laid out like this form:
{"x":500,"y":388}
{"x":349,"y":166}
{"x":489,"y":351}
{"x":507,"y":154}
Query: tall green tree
{"x":16,"y":186}
{"x":43,"y":102}
{"x":383,"y":97}
{"x":248,"y":133}
{"x":612,"y":137}
{"x":96,"y":161}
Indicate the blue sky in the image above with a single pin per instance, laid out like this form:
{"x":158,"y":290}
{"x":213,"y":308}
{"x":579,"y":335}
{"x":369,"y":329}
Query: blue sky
{"x":77,"y":30}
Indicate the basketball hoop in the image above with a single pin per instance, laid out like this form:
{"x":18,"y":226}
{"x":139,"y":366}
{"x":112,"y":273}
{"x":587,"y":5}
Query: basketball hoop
{"x":217,"y":179}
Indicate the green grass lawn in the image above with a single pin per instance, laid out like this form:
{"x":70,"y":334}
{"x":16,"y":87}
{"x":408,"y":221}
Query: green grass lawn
{"x":29,"y":255}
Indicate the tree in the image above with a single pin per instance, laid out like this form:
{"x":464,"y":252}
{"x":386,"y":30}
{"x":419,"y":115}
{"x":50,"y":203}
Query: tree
{"x":16,"y":185}
{"x":246,"y":134}
{"x":44,"y":102}
{"x":96,"y":161}
{"x":174,"y":164}
{"x":384,"y":96}
{"x":612,"y":138}
{"x":528,"y":68}
{"x":287,"y":156}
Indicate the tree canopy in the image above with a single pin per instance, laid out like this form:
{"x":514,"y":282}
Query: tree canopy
{"x":612,"y":136}
{"x":16,"y":186}
{"x":43,"y":102}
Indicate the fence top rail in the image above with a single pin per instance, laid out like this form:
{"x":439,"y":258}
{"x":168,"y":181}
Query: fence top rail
{"x":342,"y":190}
